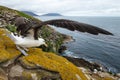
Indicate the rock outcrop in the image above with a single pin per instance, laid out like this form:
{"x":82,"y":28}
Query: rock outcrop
{"x":37,"y":65}
{"x":41,"y":65}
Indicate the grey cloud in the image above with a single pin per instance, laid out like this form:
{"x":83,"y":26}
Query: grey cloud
{"x":67,"y":7}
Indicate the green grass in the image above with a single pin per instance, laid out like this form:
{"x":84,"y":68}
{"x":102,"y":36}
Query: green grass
{"x":11,"y":28}
{"x":19,"y":13}
{"x":54,"y":41}
{"x":25,"y":15}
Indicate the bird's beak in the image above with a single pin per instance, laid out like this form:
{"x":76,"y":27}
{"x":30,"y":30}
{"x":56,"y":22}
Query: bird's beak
{"x":45,"y":45}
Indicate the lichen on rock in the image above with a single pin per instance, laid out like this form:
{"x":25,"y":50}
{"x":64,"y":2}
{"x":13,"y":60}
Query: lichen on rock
{"x":8,"y":49}
{"x":38,"y":65}
{"x":38,"y":58}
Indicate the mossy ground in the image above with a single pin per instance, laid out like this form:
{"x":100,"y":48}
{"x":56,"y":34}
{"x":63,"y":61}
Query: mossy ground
{"x":39,"y":58}
{"x":53,"y":62}
{"x":7,"y":47}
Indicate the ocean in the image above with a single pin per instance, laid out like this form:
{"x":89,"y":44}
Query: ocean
{"x":103,"y":49}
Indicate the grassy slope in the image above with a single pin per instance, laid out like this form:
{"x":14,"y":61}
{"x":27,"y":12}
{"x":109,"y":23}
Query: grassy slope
{"x":2,"y":8}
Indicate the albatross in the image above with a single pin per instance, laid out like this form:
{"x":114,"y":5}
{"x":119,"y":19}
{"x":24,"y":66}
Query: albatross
{"x":29,"y":36}
{"x":23,"y":43}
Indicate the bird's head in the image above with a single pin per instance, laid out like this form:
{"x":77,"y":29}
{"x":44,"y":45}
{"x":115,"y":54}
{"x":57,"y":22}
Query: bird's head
{"x":42,"y":42}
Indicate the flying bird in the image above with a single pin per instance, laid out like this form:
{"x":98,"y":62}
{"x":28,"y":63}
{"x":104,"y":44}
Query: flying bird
{"x":30,"y":30}
{"x":23,"y":26}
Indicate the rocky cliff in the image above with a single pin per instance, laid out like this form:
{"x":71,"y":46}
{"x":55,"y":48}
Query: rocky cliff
{"x":40,"y":65}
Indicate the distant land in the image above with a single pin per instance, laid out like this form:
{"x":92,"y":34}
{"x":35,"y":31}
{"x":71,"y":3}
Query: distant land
{"x":30,"y":13}
{"x":52,"y":14}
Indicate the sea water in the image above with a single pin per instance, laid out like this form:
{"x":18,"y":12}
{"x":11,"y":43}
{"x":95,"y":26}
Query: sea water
{"x":103,"y":49}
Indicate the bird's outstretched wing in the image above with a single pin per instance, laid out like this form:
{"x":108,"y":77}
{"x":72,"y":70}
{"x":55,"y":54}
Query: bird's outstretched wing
{"x":74,"y":25}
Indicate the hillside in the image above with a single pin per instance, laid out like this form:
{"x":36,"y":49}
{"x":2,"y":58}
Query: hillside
{"x":41,"y":63}
{"x":30,"y":13}
{"x":51,"y":14}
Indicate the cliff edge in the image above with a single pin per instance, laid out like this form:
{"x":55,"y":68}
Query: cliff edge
{"x":38,"y":65}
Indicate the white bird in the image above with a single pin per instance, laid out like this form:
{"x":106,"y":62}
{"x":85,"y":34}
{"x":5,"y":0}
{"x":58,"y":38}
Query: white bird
{"x":22,"y":43}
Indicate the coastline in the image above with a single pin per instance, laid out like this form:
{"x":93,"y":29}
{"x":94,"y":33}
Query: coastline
{"x":34,"y":63}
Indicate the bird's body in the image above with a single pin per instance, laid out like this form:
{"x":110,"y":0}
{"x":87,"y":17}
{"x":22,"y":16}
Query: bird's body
{"x":28,"y":42}
{"x":30,"y":36}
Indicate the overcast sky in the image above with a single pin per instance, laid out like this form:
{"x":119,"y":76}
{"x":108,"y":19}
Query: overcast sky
{"x":67,"y":7}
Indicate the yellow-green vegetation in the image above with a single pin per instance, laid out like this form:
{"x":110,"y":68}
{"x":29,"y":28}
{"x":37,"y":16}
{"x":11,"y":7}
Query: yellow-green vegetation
{"x":25,"y":15}
{"x":11,"y":28}
{"x":7,"y":47}
{"x":27,"y":75}
{"x":53,"y":62}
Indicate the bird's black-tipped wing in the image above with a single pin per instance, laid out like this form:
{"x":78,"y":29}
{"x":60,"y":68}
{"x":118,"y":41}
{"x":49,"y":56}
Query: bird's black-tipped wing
{"x":74,"y":25}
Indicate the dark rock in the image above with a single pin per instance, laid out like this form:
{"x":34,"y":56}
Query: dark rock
{"x":62,"y":49}
{"x":83,"y":63}
{"x":12,"y":69}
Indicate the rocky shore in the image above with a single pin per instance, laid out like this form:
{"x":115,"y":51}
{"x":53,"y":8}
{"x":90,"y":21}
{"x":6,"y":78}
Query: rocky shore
{"x":94,"y":70}
{"x":41,"y":65}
